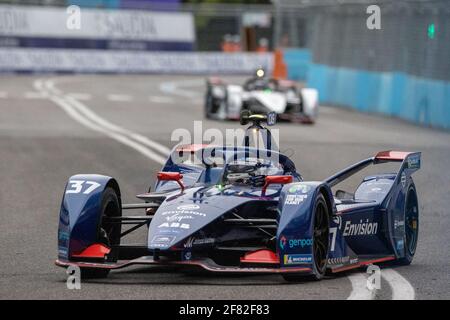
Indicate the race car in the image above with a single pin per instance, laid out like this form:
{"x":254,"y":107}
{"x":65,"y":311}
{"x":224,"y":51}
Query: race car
{"x":261,"y":94}
{"x":244,"y":209}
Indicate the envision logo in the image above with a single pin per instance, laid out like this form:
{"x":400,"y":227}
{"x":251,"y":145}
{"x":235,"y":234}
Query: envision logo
{"x":361,"y":228}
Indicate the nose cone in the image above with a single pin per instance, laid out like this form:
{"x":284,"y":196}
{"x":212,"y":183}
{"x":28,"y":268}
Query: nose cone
{"x":179,"y":218}
{"x":174,"y":222}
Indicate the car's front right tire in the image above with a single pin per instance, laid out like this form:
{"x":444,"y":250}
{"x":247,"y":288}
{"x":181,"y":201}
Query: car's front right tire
{"x":411,"y":220}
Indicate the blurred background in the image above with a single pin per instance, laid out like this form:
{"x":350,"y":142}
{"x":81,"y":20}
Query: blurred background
{"x":401,"y":69}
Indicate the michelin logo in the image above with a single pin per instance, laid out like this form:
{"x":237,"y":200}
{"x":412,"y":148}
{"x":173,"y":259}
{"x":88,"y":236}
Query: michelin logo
{"x":297,"y":259}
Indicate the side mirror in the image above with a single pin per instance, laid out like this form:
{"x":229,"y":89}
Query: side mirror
{"x":275,"y":180}
{"x":171,"y":176}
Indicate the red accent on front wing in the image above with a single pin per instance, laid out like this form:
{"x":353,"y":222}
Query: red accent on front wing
{"x":261,"y":256}
{"x":392,"y":155}
{"x":97,"y":250}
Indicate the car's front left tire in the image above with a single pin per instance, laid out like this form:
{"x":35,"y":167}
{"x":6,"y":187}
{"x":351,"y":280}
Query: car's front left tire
{"x":320,"y":242}
{"x":108,"y":232}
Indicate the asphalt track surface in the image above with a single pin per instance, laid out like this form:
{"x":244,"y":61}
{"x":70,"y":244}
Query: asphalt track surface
{"x":52,"y":127}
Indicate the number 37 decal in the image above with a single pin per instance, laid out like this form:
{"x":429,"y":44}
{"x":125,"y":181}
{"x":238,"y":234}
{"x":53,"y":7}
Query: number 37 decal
{"x":77,"y":186}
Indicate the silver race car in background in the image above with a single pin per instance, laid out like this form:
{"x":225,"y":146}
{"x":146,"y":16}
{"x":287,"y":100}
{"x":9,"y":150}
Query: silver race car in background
{"x":261,"y":94}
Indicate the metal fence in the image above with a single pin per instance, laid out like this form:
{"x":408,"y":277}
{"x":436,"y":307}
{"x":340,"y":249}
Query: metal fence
{"x":414,"y":37}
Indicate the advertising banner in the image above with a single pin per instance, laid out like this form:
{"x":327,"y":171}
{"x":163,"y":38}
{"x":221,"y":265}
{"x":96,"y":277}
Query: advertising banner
{"x":51,"y":27}
{"x":108,"y":61}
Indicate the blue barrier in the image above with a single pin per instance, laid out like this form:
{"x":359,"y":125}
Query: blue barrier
{"x":297,"y":61}
{"x":420,"y":100}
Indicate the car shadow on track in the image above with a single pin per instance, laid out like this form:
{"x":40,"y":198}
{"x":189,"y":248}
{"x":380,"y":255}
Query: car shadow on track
{"x":176,"y":276}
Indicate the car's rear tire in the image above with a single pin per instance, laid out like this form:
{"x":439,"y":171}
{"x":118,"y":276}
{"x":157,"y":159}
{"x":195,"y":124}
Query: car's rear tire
{"x":411,"y":219}
{"x":320,"y":245}
{"x":108,"y":233}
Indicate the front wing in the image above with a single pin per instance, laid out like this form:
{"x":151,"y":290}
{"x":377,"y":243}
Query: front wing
{"x":205,"y":264}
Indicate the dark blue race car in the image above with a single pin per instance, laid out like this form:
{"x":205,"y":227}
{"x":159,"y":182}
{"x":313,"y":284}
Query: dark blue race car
{"x":245,"y":210}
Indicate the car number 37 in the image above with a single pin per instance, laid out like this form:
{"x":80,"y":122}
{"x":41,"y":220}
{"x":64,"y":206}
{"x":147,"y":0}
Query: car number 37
{"x":77,"y":186}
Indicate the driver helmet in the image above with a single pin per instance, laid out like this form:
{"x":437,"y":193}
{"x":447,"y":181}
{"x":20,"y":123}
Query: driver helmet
{"x":240,"y":171}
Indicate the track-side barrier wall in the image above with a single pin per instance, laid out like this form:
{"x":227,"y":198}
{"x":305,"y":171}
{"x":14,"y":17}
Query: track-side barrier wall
{"x":416,"y":99}
{"x":107,"y":61}
{"x":45,"y":39}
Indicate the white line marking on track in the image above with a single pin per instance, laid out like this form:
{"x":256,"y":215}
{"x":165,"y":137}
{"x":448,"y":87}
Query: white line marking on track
{"x":80,"y":96}
{"x":359,"y":288}
{"x":119,"y":97}
{"x":401,"y":288}
{"x":82,"y":114}
{"x":161,"y":99}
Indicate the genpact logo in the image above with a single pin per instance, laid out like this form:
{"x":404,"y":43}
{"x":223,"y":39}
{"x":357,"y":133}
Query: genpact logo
{"x":294,"y":243}
{"x":300,"y":243}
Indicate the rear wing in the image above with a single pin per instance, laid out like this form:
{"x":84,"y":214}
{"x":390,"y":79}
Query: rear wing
{"x":215,"y":81}
{"x":410,"y":161}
